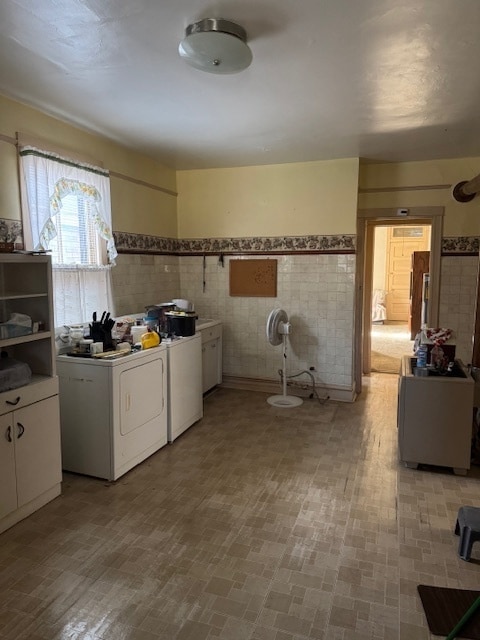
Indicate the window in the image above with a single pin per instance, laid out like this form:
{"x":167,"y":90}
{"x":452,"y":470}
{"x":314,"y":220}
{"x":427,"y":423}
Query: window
{"x":66,"y":210}
{"x":76,"y":241}
{"x":408,"y":232}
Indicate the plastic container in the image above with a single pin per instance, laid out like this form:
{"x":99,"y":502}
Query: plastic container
{"x":13,"y":374}
{"x":150,"y":339}
{"x":84,"y":345}
{"x":75,"y":334}
{"x":137,"y":332}
{"x":180,"y":324}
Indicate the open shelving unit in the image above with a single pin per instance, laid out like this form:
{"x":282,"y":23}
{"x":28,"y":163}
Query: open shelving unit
{"x":30,"y":454}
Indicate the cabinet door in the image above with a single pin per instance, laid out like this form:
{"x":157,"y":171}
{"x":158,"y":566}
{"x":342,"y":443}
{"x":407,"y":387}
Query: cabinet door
{"x":37,"y":448}
{"x":209,"y":364}
{"x":8,"y":484}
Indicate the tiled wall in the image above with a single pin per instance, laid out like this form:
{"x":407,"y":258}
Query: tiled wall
{"x":458,"y":288}
{"x":140,"y":280}
{"x":317,"y":292}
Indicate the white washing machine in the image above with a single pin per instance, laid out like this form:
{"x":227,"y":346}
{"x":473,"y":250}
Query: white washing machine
{"x":113,"y":413}
{"x":185,"y":397}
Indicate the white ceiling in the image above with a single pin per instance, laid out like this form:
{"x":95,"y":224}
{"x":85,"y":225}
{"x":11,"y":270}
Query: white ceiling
{"x":384,"y":80}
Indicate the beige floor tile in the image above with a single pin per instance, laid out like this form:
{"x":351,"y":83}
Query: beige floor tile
{"x":256,"y":524}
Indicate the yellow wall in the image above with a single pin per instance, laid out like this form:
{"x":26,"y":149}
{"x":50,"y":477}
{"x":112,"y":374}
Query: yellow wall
{"x":135,"y":208}
{"x":460,"y":219}
{"x":273,"y":200}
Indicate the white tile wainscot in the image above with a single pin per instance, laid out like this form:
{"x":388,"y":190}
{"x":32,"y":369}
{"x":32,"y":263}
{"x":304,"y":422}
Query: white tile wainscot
{"x":317,"y":291}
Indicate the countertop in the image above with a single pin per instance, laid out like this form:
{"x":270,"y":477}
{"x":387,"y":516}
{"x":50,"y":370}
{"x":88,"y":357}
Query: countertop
{"x":205,"y":323}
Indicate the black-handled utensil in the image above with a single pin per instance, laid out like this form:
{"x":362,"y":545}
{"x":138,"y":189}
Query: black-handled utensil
{"x":94,"y":316}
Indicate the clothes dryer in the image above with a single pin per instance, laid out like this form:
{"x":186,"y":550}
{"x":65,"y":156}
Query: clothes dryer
{"x":113,"y":413}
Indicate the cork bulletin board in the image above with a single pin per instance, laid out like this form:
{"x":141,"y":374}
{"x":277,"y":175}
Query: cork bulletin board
{"x":253,"y":278}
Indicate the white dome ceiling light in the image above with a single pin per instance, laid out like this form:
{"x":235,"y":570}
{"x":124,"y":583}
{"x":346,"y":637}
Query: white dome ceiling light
{"x":216,"y":46}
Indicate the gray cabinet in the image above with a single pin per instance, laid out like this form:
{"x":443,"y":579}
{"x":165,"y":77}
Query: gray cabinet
{"x":435,"y":418}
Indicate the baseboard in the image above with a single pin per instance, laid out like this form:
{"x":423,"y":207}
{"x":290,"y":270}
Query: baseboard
{"x":337,"y":393}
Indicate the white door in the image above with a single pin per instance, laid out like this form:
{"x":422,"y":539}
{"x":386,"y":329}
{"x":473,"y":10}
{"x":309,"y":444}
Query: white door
{"x":37,"y":446}
{"x":141,"y":395}
{"x":210,"y":364}
{"x":8,"y":483}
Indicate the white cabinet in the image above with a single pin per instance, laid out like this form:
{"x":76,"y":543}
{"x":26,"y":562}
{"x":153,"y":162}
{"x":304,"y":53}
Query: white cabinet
{"x":211,"y":355}
{"x":185,"y":401}
{"x":8,"y":480}
{"x":29,"y":461}
{"x":30,"y":457}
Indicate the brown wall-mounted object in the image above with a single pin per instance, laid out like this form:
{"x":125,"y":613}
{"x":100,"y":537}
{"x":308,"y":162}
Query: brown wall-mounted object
{"x":253,"y":278}
{"x":419,"y":266}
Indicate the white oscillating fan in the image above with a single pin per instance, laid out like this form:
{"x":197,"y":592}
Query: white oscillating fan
{"x":278,"y":328}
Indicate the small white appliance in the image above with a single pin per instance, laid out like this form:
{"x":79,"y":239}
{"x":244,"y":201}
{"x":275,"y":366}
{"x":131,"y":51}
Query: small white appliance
{"x":182,"y":304}
{"x":278,"y":328}
{"x":185,"y":398}
{"x":113,"y":413}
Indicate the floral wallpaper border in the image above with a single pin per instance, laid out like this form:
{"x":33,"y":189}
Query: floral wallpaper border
{"x":460,"y":246}
{"x":136,"y":243}
{"x":140,"y":243}
{"x":11,"y":231}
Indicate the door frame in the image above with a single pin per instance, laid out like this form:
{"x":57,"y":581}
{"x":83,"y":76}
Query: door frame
{"x":367,"y":220}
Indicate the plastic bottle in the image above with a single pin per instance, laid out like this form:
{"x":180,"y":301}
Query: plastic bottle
{"x":422,"y":355}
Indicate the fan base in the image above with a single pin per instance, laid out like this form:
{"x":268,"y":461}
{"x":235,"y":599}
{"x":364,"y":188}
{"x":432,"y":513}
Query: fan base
{"x":284,"y":402}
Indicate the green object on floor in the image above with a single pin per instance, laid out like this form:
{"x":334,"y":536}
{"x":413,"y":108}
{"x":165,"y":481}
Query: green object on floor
{"x":467,"y":615}
{"x":445,"y":607}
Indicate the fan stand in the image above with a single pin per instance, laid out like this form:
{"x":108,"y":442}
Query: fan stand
{"x":284,"y":401}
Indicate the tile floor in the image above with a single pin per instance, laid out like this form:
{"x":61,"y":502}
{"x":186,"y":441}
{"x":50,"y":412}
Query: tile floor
{"x":257,"y":524}
{"x":389,"y":342}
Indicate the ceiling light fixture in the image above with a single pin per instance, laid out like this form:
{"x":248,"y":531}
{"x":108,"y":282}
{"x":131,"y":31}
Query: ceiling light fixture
{"x":216,"y":46}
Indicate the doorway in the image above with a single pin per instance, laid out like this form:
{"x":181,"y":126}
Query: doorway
{"x":396,"y":249}
{"x":367,"y":221}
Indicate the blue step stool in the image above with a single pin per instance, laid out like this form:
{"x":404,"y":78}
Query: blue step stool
{"x":468,"y":528}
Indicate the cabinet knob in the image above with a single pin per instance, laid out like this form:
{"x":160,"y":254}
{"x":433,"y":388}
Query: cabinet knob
{"x":13,"y":402}
{"x":8,"y":434}
{"x":20,"y":430}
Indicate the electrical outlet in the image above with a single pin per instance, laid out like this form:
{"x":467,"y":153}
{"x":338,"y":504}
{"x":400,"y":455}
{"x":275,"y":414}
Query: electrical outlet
{"x":312,"y":368}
